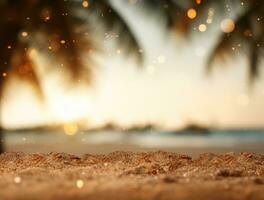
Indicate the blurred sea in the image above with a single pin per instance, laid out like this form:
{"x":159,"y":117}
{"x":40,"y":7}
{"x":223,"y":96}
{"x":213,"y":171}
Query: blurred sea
{"x":217,"y":141}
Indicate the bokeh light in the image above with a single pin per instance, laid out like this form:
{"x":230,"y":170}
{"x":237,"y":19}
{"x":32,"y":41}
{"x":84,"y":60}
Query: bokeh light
{"x":85,"y":4}
{"x":70,"y":129}
{"x":79,"y":183}
{"x":191,"y":13}
{"x":227,"y":25}
{"x":24,"y":34}
{"x":202,"y":27}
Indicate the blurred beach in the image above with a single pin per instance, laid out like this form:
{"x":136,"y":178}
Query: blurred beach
{"x":217,"y":141}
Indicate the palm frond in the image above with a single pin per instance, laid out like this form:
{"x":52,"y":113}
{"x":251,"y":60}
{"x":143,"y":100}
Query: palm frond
{"x":227,"y":41}
{"x":23,"y":67}
{"x":174,"y":12}
{"x":60,"y":28}
{"x":114,"y":22}
{"x":248,"y":35}
{"x":8,"y":43}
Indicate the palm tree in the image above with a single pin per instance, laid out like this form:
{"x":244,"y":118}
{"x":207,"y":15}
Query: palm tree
{"x":56,"y":28}
{"x":248,"y":34}
{"x":246,"y":37}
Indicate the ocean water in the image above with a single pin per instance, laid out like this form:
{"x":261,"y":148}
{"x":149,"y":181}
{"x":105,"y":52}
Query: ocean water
{"x":217,"y":138}
{"x":107,"y":141}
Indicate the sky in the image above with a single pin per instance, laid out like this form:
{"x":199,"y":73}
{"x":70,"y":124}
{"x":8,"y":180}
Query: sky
{"x":170,"y":90}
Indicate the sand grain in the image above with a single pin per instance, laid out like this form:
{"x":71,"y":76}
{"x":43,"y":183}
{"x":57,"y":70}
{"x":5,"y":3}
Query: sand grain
{"x":126,"y":175}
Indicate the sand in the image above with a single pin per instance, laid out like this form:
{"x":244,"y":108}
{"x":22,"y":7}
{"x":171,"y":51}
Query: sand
{"x":127,"y":175}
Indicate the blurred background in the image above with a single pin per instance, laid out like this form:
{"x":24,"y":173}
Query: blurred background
{"x":95,"y":76}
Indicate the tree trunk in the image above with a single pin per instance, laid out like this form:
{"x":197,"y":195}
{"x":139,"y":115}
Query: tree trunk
{"x":1,"y":127}
{"x":1,"y":141}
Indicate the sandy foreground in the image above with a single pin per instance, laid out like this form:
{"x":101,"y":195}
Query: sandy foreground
{"x":127,"y":175}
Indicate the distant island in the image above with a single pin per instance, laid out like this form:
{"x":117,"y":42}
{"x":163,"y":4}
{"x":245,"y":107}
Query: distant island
{"x":193,"y":129}
{"x":113,"y":127}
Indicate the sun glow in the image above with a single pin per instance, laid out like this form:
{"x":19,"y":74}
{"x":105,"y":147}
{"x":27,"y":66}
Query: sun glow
{"x":70,"y":128}
{"x":74,"y":106}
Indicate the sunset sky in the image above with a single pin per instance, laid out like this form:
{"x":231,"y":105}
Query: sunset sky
{"x":171,"y":89}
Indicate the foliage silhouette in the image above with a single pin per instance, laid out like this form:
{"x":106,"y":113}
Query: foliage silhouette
{"x":55,"y":28}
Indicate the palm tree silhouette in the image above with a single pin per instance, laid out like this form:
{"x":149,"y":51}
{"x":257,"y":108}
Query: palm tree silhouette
{"x":57,"y":28}
{"x":247,"y":36}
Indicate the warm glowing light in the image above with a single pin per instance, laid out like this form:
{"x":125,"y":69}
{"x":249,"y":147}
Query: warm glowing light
{"x":47,"y":18}
{"x":62,"y":41}
{"x":32,"y":53}
{"x":191,"y":13}
{"x":79,"y":183}
{"x":118,"y":51}
{"x":45,"y":14}
{"x":209,"y":21}
{"x":210,"y":16}
{"x":4,"y":74}
{"x":198,"y":1}
{"x":85,"y":4}
{"x":227,"y":25}
{"x":9,"y":47}
{"x":24,"y":34}
{"x":17,"y":179}
{"x":70,"y":128}
{"x":202,"y":27}
{"x":72,"y":107}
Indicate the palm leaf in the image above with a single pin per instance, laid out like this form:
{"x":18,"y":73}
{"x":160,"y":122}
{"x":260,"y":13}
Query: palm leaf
{"x":23,"y":67}
{"x":64,"y":39}
{"x":62,"y":25}
{"x":248,"y":35}
{"x":172,"y":11}
{"x":114,"y":22}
